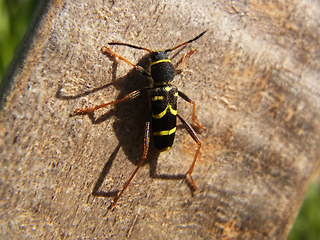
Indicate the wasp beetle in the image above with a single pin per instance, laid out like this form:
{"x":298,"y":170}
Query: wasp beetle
{"x":163,"y":103}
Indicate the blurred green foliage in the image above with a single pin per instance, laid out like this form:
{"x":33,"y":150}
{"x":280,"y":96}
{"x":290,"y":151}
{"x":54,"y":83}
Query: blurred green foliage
{"x":307,"y":224}
{"x":15,"y":15}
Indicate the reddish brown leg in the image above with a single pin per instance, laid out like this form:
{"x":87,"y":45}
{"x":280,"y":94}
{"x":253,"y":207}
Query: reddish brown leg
{"x":130,"y":96}
{"x":196,"y":139}
{"x":142,"y":160}
{"x":187,"y":55}
{"x":183,"y":61}
{"x":185,"y":97}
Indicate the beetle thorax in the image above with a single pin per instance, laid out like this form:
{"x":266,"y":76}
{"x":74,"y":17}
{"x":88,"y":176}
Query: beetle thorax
{"x":162,"y":70}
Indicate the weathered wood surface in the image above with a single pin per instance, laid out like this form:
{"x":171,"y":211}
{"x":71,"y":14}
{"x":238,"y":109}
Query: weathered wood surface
{"x":255,"y":79}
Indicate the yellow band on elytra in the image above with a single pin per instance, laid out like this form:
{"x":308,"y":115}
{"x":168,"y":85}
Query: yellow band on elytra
{"x":156,"y":98}
{"x":173,"y":112}
{"x":164,"y":133}
{"x":160,"y":115}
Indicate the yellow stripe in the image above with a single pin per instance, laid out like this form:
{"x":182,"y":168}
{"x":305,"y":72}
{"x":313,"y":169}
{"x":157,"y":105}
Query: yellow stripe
{"x":167,"y":89}
{"x":160,"y":115}
{"x":155,"y":98}
{"x":176,"y":94}
{"x":173,"y":112}
{"x":166,"y":132}
{"x":160,"y":61}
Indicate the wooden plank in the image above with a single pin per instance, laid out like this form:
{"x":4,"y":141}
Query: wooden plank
{"x":254,"y":78}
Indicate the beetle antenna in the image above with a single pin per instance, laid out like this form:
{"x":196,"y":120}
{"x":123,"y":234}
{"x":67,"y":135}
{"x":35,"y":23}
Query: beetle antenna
{"x":182,"y":44}
{"x":130,"y":45}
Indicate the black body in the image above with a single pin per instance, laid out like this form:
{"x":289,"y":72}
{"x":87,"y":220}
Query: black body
{"x":163,"y":101}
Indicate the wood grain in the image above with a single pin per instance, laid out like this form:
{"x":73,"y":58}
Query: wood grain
{"x":254,"y":78}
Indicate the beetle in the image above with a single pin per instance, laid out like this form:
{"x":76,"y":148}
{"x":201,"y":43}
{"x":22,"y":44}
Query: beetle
{"x":163,"y":97}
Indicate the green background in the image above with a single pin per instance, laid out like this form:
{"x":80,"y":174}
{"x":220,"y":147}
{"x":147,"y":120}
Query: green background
{"x":15,"y":15}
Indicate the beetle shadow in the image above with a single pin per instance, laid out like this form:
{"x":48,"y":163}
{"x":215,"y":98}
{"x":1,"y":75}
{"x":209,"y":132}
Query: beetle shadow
{"x":129,"y":124}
